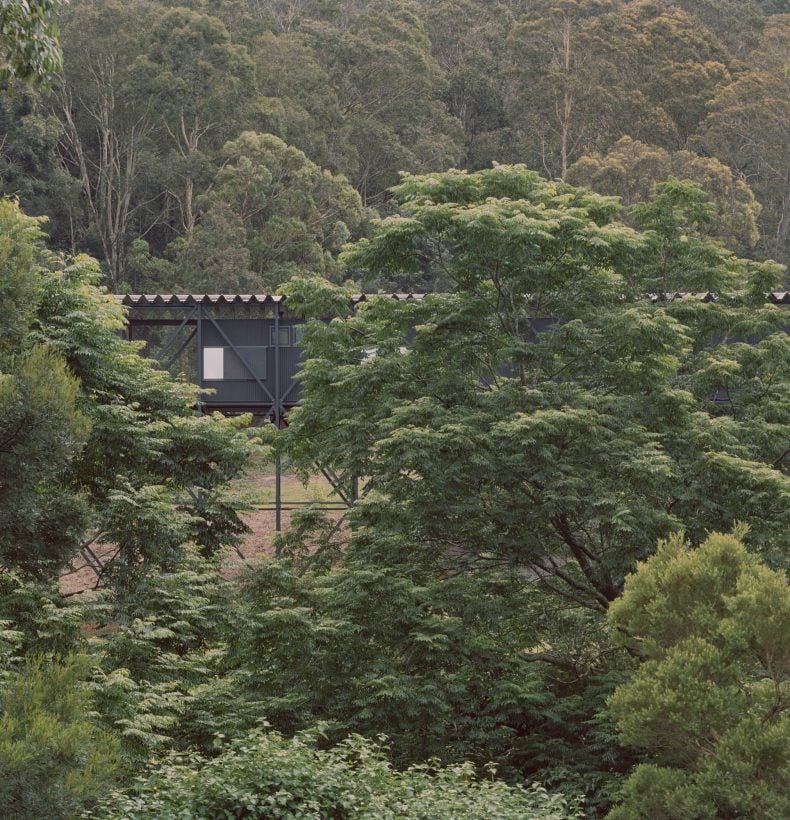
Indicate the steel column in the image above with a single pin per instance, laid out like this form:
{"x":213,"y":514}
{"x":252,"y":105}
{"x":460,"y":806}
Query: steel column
{"x":200,"y":357}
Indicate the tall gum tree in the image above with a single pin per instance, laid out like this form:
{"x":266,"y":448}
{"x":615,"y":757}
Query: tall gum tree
{"x":552,"y":82}
{"x":200,"y":82}
{"x":105,"y":136}
{"x":749,"y":128}
{"x":386,"y":80}
{"x":631,"y":168}
{"x":657,"y":68}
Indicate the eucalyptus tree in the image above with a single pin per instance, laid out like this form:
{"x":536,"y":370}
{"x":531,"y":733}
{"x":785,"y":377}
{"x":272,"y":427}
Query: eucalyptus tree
{"x":748,"y":127}
{"x":386,"y":84}
{"x":106,"y":137}
{"x":294,"y":215}
{"x":583,"y":74}
{"x":552,"y":98}
{"x":474,"y":87}
{"x":657,"y":68}
{"x":630,"y":169}
{"x":200,"y":83}
{"x":737,"y":23}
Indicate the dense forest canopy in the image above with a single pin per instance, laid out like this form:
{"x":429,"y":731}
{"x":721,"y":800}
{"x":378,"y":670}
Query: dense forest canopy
{"x":560,"y":590}
{"x":282,"y":124}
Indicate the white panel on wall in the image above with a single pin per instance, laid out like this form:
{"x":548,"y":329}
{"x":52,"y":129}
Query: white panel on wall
{"x":213,"y":363}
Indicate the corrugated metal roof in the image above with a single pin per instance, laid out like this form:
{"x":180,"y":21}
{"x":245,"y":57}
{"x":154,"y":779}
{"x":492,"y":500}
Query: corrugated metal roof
{"x":145,"y":299}
{"x":175,"y":299}
{"x":401,"y":297}
{"x":781,"y":297}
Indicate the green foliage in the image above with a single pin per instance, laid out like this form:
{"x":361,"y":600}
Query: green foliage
{"x":200,"y":82}
{"x":20,"y":236}
{"x":544,"y":418}
{"x":43,"y":622}
{"x":108,"y":442}
{"x":54,"y":761}
{"x":512,"y":470}
{"x":28,"y":39}
{"x":756,"y":103}
{"x":631,"y":168}
{"x":433,"y":664}
{"x":265,"y":775}
{"x":154,"y":473}
{"x":41,"y":428}
{"x":41,"y":424}
{"x":161,"y":682}
{"x":215,"y":257}
{"x":30,"y":168}
{"x":482,"y":669}
{"x":707,"y":703}
{"x":483,"y":432}
{"x":296,"y":216}
{"x":367,"y":90}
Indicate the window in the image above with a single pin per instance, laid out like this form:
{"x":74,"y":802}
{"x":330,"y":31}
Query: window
{"x":213,"y":363}
{"x":284,"y":334}
{"x":244,"y":363}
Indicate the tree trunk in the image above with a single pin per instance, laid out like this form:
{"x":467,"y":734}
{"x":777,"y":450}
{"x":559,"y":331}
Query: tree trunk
{"x":106,"y":182}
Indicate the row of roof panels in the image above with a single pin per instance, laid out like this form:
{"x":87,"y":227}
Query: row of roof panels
{"x":177,"y":299}
{"x":778,"y":297}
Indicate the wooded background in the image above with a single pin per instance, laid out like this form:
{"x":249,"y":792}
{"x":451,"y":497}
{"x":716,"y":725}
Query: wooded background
{"x":223,"y":146}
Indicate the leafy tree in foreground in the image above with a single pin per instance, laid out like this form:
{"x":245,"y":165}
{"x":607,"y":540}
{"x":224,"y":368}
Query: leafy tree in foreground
{"x":267,"y":776}
{"x":709,"y":703}
{"x":434,"y":664}
{"x":445,"y":667}
{"x":54,"y":760}
{"x":154,"y":473}
{"x":113,"y":446}
{"x":41,"y":424}
{"x":545,"y":422}
{"x":546,"y":413}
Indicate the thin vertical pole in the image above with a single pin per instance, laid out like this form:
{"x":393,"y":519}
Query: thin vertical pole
{"x":200,"y":355}
{"x":278,"y":497}
{"x":277,"y":464}
{"x":277,"y":364}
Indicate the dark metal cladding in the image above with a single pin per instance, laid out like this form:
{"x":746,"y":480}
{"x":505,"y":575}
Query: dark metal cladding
{"x":245,"y":348}
{"x":242,"y":348}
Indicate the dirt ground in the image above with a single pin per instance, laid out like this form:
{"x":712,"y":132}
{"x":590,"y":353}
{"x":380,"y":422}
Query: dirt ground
{"x":258,"y":489}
